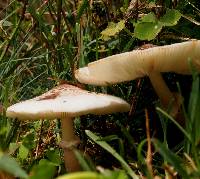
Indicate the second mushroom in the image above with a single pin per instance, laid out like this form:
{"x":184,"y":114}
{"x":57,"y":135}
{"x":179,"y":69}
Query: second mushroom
{"x":148,"y":62}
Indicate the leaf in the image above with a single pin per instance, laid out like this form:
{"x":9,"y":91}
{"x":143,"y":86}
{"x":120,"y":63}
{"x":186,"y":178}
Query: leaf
{"x":44,"y":169}
{"x":13,"y":147}
{"x":110,"y":138}
{"x":23,"y":152}
{"x":4,"y":23}
{"x":150,"y":17}
{"x":9,"y":165}
{"x":171,"y":17}
{"x":112,"y":151}
{"x":54,"y":156}
{"x":116,"y":174}
{"x":81,"y":175}
{"x":106,"y":174}
{"x":147,"y":30}
{"x":29,"y":141}
{"x":171,"y":158}
{"x":85,"y":164}
{"x":149,"y":26}
{"x":112,"y":29}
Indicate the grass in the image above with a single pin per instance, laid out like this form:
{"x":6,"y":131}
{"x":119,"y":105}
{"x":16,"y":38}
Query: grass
{"x":42,"y":43}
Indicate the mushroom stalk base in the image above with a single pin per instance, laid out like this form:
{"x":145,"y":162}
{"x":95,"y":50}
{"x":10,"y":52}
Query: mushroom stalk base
{"x":68,"y":136}
{"x":162,"y":90}
{"x":167,"y":98}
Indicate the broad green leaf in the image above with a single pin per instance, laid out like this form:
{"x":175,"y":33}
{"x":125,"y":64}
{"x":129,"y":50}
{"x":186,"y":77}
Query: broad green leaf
{"x":117,"y":174}
{"x":29,"y":140}
{"x":9,"y":165}
{"x":112,"y":29}
{"x":171,"y":17}
{"x":112,"y":151}
{"x":150,"y":17}
{"x":171,"y":158}
{"x":54,"y":156}
{"x":13,"y":147}
{"x":23,"y":152}
{"x":5,"y":23}
{"x":44,"y":169}
{"x":81,"y":175}
{"x":106,"y":174}
{"x":147,"y":30}
{"x":149,"y":26}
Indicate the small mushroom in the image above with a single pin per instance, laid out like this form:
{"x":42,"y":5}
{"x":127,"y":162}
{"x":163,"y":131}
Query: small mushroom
{"x":148,"y":62}
{"x":66,"y":102}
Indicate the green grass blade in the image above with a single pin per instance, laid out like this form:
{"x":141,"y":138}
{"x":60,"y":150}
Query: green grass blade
{"x":192,"y":108}
{"x":175,"y":122}
{"x":11,"y":134}
{"x":83,"y":162}
{"x":82,"y":8}
{"x":171,"y":158}
{"x":112,"y":151}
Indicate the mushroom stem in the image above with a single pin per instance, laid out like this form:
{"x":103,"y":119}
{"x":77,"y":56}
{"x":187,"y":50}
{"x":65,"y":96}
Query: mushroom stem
{"x":162,"y":90}
{"x":167,"y":98}
{"x":69,"y":137}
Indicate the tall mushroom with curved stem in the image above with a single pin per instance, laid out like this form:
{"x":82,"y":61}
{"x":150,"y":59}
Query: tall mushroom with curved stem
{"x":66,"y":102}
{"x":148,"y":62}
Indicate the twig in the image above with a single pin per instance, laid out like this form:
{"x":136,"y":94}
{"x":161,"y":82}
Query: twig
{"x":135,"y":98}
{"x":149,"y":154}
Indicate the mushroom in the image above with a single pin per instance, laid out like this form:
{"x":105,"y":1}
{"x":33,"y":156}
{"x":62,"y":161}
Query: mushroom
{"x":66,"y":102}
{"x":149,"y":62}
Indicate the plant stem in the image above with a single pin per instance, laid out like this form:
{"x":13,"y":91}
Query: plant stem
{"x":149,"y":152}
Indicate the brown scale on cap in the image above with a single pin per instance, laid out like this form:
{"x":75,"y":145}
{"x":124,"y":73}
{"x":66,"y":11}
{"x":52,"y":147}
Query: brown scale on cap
{"x":146,"y":46}
{"x":57,"y":91}
{"x":51,"y":95}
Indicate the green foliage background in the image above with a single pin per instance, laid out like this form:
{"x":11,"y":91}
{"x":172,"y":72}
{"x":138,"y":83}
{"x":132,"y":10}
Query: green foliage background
{"x":43,"y":42}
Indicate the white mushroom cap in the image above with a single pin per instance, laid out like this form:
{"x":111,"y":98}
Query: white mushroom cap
{"x":138,"y":63}
{"x":66,"y":101}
